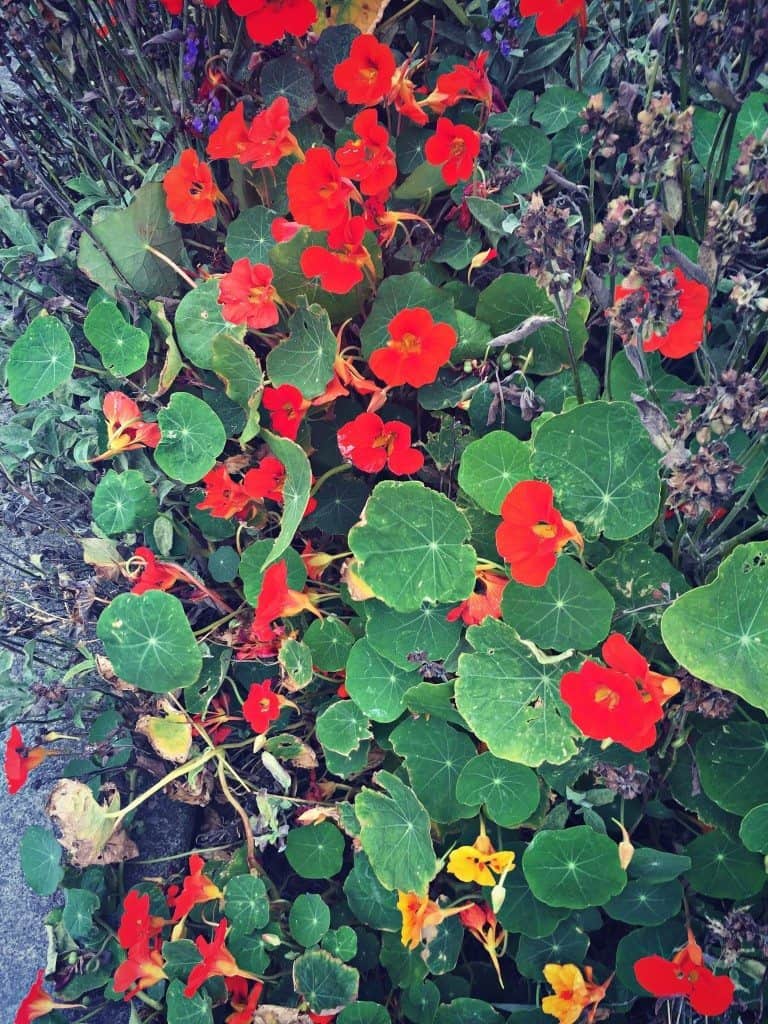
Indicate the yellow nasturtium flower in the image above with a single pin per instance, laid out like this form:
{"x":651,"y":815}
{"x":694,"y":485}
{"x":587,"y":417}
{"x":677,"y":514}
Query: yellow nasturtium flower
{"x":480,"y":863}
{"x":573,"y":992}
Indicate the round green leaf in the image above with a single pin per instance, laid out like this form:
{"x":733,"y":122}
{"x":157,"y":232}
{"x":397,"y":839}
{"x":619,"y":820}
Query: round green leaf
{"x":573,"y":867}
{"x":239,"y":369}
{"x":245,"y":904}
{"x":315,"y":851}
{"x":325,"y":982}
{"x":722,"y":868}
{"x":122,"y":502}
{"x":511,"y":299}
{"x":376,"y":685}
{"x":122,"y":347}
{"x":364,"y":1013}
{"x":183,"y":1009}
{"x":554,"y":391}
{"x":192,"y":436}
{"x":148,"y":639}
{"x":399,"y":292}
{"x":657,"y":866}
{"x":640,"y":580}
{"x":732,"y":762}
{"x":396,"y":635}
{"x":754,"y":829}
{"x":296,"y":662}
{"x":199,"y":322}
{"x":512,"y":701}
{"x":572,"y":610}
{"x":339,"y":504}
{"x":341,"y":942}
{"x":567,"y":944}
{"x":720,"y":632}
{"x":309,"y":919}
{"x":180,"y":957}
{"x":467,"y":1011}
{"x":369,"y":901}
{"x":305,"y":358}
{"x":643,"y":902}
{"x":411,"y":547}
{"x":395,"y":835}
{"x":558,"y":108}
{"x":342,"y":727}
{"x":40,"y":856}
{"x":330,"y":642}
{"x":509,"y":791}
{"x":249,"y":235}
{"x":224,"y":564}
{"x":79,"y":907}
{"x":491,"y":466}
{"x":531,"y":152}
{"x":521,"y":912}
{"x":602,"y":466}
{"x":41,"y":359}
{"x":435,"y":754}
{"x":289,"y":77}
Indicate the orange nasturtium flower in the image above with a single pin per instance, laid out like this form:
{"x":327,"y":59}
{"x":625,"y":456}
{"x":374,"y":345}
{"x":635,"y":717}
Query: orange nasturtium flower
{"x":483,"y":603}
{"x":318,"y":193}
{"x":20,"y":760}
{"x":247,"y":295}
{"x":340,"y":263}
{"x":126,"y":430}
{"x":454,"y":147}
{"x":481,"y":922}
{"x":196,"y":888}
{"x":532,"y":532}
{"x":37,"y":1003}
{"x":244,"y":1003}
{"x":141,"y":969}
{"x":277,"y":600}
{"x":191,"y":193}
{"x":421,"y":916}
{"x":286,"y":406}
{"x":137,"y":924}
{"x":464,"y":82}
{"x":230,"y":138}
{"x":217,"y":962}
{"x":684,"y":335}
{"x":574,"y":992}
{"x":270,"y":137}
{"x":551,"y":15}
{"x":415,"y":350}
{"x":267,"y":21}
{"x":367,"y":157}
{"x":366,"y":75}
{"x":480,"y":862}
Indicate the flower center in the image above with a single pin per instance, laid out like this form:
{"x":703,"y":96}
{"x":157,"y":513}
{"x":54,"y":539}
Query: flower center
{"x":605,"y":695}
{"x":545,"y":530}
{"x":409,"y":342}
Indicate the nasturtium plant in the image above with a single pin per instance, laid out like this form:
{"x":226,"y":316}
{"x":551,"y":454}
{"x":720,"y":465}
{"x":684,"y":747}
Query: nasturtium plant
{"x":41,"y":359}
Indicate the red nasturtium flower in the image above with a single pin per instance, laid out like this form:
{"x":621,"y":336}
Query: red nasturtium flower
{"x":154,"y":575}
{"x":141,"y":969}
{"x":196,"y":888}
{"x":367,"y":158}
{"x":686,"y":334}
{"x":217,"y":961}
{"x":318,"y":193}
{"x":551,"y":15}
{"x":230,"y":138}
{"x":126,"y":430}
{"x":371,"y":444}
{"x":532,"y":532}
{"x":339,"y":266}
{"x":37,"y":1003}
{"x":622,"y":702}
{"x":322,"y":1018}
{"x":283,"y":230}
{"x":247,"y":295}
{"x":416,"y":349}
{"x":137,"y":924}
{"x":402,"y":93}
{"x":270,"y":137}
{"x":266,"y":21}
{"x":366,"y":75}
{"x":286,"y":406}
{"x":262,"y":706}
{"x":243,"y":1002}
{"x":686,"y":975}
{"x":21,"y":760}
{"x":465,"y":82}
{"x":224,"y":497}
{"x":454,"y":147}
{"x":191,"y":193}
{"x":481,"y":922}
{"x":174,"y":7}
{"x":277,"y":600}
{"x":482,"y":603}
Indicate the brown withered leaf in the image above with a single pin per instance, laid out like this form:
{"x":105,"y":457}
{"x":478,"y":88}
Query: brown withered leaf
{"x":280,"y":1015}
{"x":88,"y":836}
{"x":197,"y":792}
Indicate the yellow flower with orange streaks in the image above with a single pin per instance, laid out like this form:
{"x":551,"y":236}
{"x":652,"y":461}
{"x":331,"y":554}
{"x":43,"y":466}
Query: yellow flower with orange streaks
{"x":421,"y":916}
{"x":480,"y":863}
{"x":574,"y":992}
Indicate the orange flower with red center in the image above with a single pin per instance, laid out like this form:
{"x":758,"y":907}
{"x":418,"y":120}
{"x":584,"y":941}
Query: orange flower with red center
{"x":286,"y":406}
{"x":370,"y":444}
{"x":267,"y":21}
{"x":247,"y":295}
{"x":141,"y":969}
{"x":686,"y":334}
{"x":686,"y":975}
{"x":217,"y":962}
{"x":622,"y":702}
{"x":224,"y":497}
{"x":574,"y":992}
{"x":482,"y":924}
{"x":229,"y":140}
{"x":421,"y":916}
{"x":368,"y":158}
{"x":339,"y":266}
{"x":37,"y":1003}
{"x":262,"y":706}
{"x":21,"y":760}
{"x":318,"y":193}
{"x":483,"y":603}
{"x":366,"y":75}
{"x":416,"y":349}
{"x":126,"y":430}
{"x":465,"y":82}
{"x":270,"y":138}
{"x":277,"y":600}
{"x":191,"y":193}
{"x":137,"y":925}
{"x":196,"y":888}
{"x":533,"y":533}
{"x":552,"y":15}
{"x":453,"y":147}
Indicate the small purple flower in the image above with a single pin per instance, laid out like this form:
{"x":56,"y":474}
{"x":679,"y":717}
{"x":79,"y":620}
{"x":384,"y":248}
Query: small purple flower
{"x":500,"y":11}
{"x":514,"y":21}
{"x":197,"y":125}
{"x":486,"y":35}
{"x":505,"y":47}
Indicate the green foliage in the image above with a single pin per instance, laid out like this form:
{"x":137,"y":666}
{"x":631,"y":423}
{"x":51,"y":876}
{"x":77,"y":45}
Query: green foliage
{"x":40,"y":360}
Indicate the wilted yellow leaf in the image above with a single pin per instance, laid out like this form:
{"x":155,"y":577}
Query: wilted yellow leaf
{"x":88,"y":836}
{"x":363,"y":14}
{"x":169,"y":734}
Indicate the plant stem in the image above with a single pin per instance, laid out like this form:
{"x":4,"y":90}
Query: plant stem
{"x":177,"y":773}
